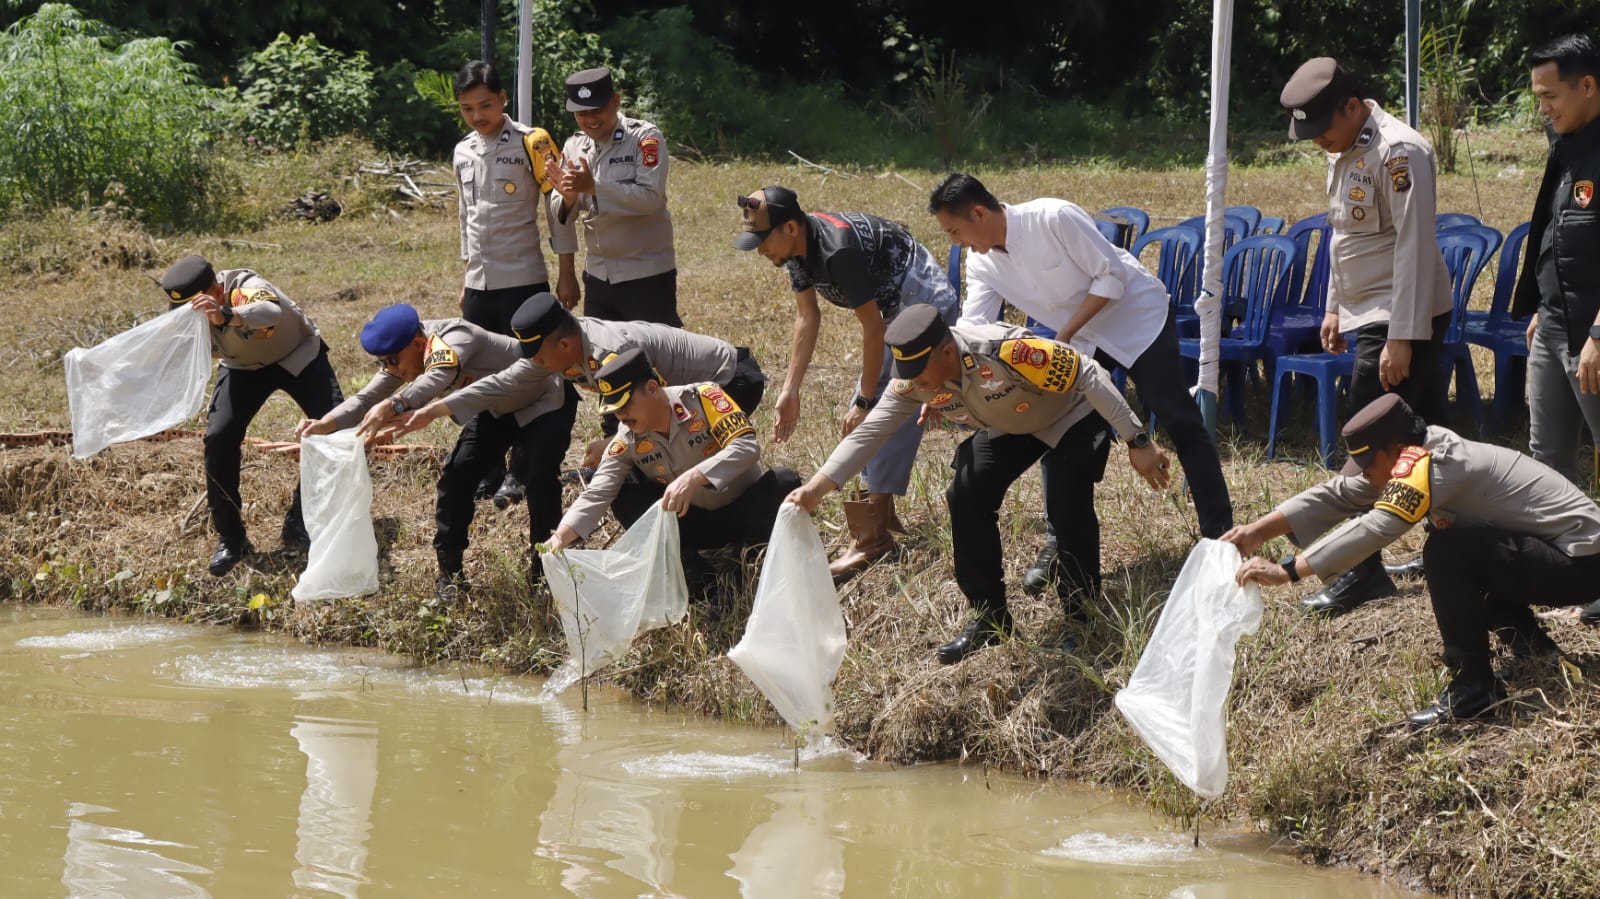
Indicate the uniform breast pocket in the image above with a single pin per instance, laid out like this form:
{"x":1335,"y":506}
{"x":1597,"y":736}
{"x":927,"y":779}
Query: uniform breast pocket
{"x":1578,"y":249}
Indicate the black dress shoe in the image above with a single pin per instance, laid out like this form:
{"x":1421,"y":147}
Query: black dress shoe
{"x":1591,"y":613}
{"x":1043,"y":572}
{"x":981,"y":631}
{"x":450,"y":587}
{"x":229,"y":554}
{"x":1356,"y":587}
{"x":1460,"y":701}
{"x":1530,"y":642}
{"x":1412,"y":568}
{"x":294,"y":534}
{"x":510,"y":492}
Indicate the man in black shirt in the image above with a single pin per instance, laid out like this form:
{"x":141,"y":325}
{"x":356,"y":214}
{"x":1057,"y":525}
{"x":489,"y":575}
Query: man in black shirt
{"x":1560,"y":282}
{"x":874,"y":268}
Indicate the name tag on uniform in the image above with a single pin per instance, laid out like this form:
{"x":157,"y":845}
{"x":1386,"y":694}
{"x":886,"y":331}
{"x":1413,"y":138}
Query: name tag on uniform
{"x":622,"y":160}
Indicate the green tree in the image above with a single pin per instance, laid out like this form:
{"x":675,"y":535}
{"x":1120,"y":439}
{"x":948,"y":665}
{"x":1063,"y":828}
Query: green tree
{"x":89,"y":121}
{"x":298,"y":89}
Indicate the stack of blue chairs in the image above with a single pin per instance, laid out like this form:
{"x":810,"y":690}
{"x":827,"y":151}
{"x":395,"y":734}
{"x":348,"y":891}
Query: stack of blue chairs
{"x":1495,"y":331}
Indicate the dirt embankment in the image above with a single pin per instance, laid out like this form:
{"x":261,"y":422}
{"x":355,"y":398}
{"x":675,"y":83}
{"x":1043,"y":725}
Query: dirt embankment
{"x":1500,"y":808}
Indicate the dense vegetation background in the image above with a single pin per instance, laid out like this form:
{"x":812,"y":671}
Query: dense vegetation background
{"x":151,"y":91}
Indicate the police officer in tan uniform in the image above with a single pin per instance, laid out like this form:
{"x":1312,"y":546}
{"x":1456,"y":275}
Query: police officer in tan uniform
{"x":1498,"y":523}
{"x":419,"y":361}
{"x":1033,"y":400}
{"x":613,"y":176}
{"x":689,"y":447}
{"x":265,"y":343}
{"x":1388,"y":281}
{"x":554,"y":341}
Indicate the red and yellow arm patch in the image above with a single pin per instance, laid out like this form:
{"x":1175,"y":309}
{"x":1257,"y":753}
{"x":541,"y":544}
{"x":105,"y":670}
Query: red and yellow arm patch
{"x":650,"y":152}
{"x":1044,"y":363}
{"x":439,"y":355}
{"x":618,"y":447}
{"x":1409,"y":493}
{"x":728,"y":421}
{"x":242,"y":297}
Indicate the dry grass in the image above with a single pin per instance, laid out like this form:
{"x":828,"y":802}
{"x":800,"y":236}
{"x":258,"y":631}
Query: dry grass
{"x":1502,"y":808}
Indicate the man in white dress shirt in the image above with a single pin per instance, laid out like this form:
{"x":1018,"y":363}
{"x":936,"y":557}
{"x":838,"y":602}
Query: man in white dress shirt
{"x":1047,"y":258}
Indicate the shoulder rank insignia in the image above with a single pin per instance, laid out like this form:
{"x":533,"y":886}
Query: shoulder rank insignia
{"x":728,"y":421}
{"x":1408,"y":493}
{"x":680,"y":411}
{"x":1044,"y":363}
{"x":967,"y":361}
{"x":440,"y":355}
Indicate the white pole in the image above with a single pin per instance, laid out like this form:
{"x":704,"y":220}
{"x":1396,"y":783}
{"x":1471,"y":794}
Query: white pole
{"x":525,"y":62}
{"x":1209,"y":304}
{"x":1413,"y":57}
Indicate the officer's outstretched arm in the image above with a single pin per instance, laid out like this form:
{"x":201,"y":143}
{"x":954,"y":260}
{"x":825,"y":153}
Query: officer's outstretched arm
{"x":812,"y":492}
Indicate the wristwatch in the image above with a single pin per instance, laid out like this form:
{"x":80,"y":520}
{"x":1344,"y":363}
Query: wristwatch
{"x":398,"y":405}
{"x":862,"y":402}
{"x":1594,"y":332}
{"x":1139,"y":440}
{"x":1288,"y":564}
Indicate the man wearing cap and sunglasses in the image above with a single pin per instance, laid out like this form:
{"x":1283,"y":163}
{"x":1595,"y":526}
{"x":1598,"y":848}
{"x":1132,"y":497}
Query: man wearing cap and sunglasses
{"x":876,"y":269}
{"x":1388,"y":281}
{"x":689,"y":447}
{"x":420,"y":361}
{"x":1032,"y":400}
{"x":613,"y":173}
{"x":264,"y":342}
{"x":552,"y":340}
{"x":1504,"y":532}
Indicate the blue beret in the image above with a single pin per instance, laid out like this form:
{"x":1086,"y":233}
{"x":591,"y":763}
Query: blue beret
{"x":390,"y":330}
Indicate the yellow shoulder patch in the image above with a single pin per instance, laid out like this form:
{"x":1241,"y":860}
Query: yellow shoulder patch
{"x":728,"y":421}
{"x":440,"y":355}
{"x":1044,"y":363}
{"x":541,"y":156}
{"x":242,"y":297}
{"x":1408,"y":493}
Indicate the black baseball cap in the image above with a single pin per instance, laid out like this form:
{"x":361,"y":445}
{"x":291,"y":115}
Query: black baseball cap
{"x":187,"y":277}
{"x":535,"y":319}
{"x":764,"y":210}
{"x":1314,"y":94}
{"x":589,"y":89}
{"x":912,"y":337}
{"x":1385,"y":422}
{"x":626,"y":372}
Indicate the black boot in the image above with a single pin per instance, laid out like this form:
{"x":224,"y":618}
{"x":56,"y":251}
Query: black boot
{"x":1462,"y":700}
{"x":1361,"y":584}
{"x":1413,"y":568}
{"x":510,"y":492}
{"x":985,"y":629}
{"x":1529,"y":641}
{"x":1043,"y":571}
{"x":452,"y":582}
{"x":294,"y":534}
{"x":230,"y":552}
{"x":1590,"y":613}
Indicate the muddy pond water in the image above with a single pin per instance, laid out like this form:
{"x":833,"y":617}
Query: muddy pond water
{"x":145,"y":758}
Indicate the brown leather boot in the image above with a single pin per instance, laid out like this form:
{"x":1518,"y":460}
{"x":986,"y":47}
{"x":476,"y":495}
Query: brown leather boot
{"x":867,"y":517}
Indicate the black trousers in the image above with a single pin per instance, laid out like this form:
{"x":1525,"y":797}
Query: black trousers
{"x":1164,"y":390}
{"x":649,"y":299}
{"x":482,"y":444}
{"x":1482,"y":579}
{"x":1420,"y":390}
{"x":238,"y":396}
{"x":985,"y":467}
{"x":492,"y":309}
{"x":747,"y":521}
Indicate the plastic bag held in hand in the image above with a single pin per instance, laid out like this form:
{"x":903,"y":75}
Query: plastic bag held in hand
{"x":606,"y":597}
{"x":1177,"y":697}
{"x":143,"y":381}
{"x":337,"y":491}
{"x":795,"y":639}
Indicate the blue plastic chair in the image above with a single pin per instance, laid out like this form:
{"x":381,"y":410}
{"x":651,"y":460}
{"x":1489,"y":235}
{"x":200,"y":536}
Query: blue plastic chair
{"x":1250,"y":214}
{"x":1138,"y":218}
{"x":1332,"y":372}
{"x":1113,"y":232}
{"x":1235,"y":227}
{"x":1466,"y":252}
{"x":952,"y":267}
{"x":1255,"y":281}
{"x":1177,"y":248}
{"x":1271,"y":224}
{"x":1446,"y":220}
{"x":1298,"y":325}
{"x":1507,"y":339}
{"x":1490,"y":234}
